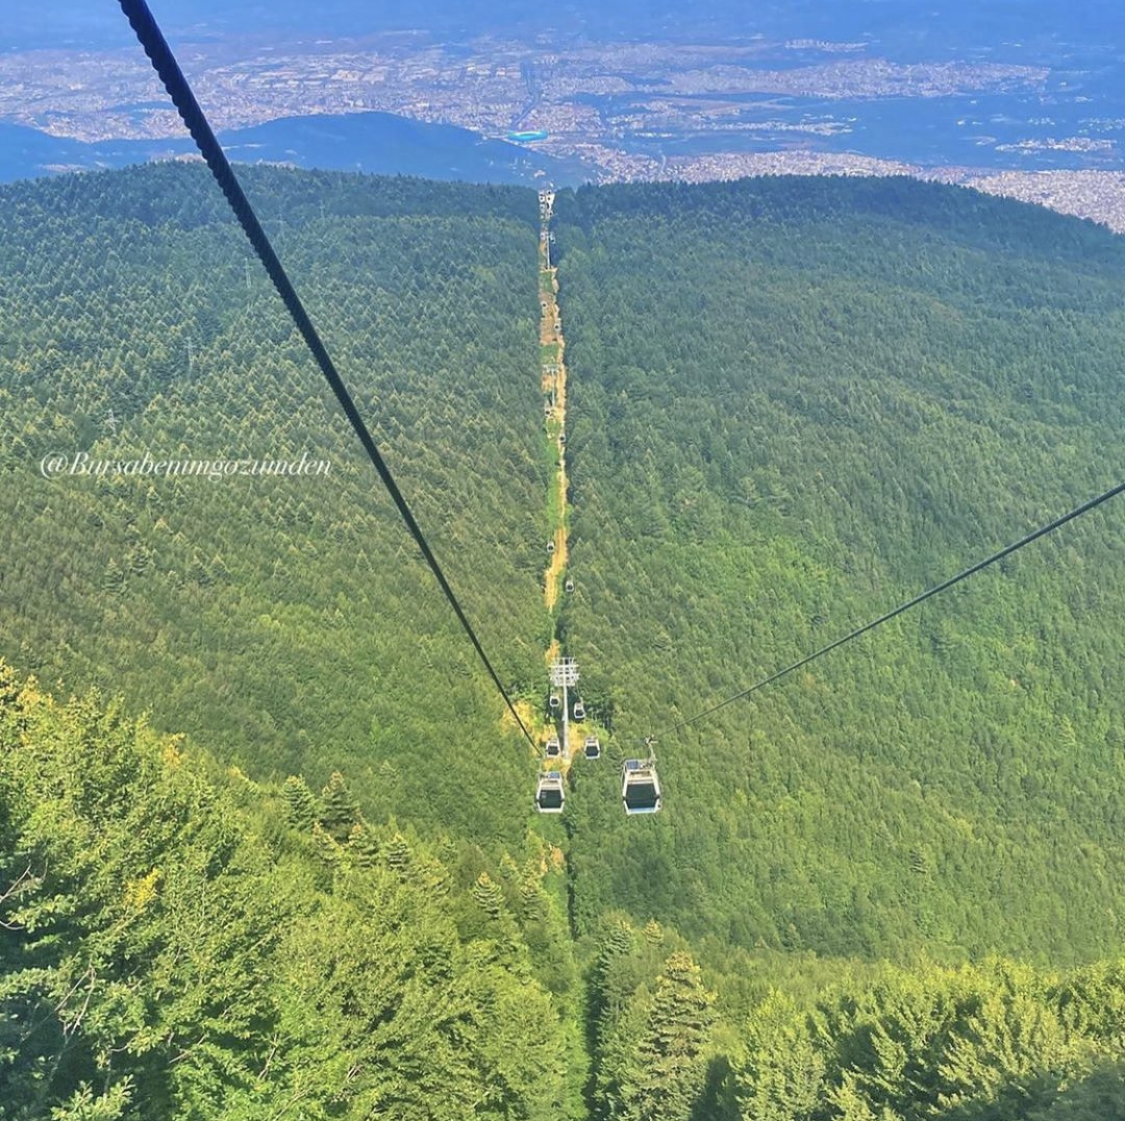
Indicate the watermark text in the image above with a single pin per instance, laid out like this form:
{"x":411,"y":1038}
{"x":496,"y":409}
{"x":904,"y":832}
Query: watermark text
{"x":81,"y":464}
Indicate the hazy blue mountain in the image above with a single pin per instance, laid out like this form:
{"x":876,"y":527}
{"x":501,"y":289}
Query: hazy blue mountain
{"x":369,"y":142}
{"x":27,"y":152}
{"x":386,"y":144}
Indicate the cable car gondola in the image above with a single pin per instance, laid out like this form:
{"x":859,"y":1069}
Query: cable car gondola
{"x":570,"y":585}
{"x":640,"y":788}
{"x":554,"y":700}
{"x":549,"y":794}
{"x":579,"y":711}
{"x":593,"y":748}
{"x":553,"y":749}
{"x":551,"y":546}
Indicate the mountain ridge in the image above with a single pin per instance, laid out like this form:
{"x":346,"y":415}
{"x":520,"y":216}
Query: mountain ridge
{"x":368,"y":142}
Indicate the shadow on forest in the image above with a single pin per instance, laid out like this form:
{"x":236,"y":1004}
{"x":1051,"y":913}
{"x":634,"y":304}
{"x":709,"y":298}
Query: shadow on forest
{"x":1100,"y":1096}
{"x":717,"y":1102}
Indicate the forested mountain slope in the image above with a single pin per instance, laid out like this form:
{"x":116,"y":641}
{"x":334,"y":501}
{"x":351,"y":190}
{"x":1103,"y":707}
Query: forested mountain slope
{"x":178,"y":941}
{"x":794,"y":404}
{"x":791,"y":404}
{"x":289,"y":623}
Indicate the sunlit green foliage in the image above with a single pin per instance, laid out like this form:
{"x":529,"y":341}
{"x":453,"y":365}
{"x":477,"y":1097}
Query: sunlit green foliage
{"x":991,"y":1042}
{"x":169,"y":948}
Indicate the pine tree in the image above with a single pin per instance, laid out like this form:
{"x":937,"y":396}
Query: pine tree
{"x":339,"y":811}
{"x":299,"y":801}
{"x":113,"y":578}
{"x":85,"y":1104}
{"x":852,"y":1105}
{"x":197,"y":571}
{"x":488,"y":895}
{"x":327,"y":848}
{"x":609,"y":1027}
{"x":397,"y":855}
{"x":607,"y":997}
{"x":362,"y":843}
{"x":534,"y":904}
{"x":9,"y":685}
{"x":668,"y":1070}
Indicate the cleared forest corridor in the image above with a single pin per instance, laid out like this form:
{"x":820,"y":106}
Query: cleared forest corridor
{"x":552,"y":348}
{"x":566,"y":728}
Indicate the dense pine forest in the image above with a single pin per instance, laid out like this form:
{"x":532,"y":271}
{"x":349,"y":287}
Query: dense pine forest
{"x":278,"y":858}
{"x":289,"y":622}
{"x":794,"y":405}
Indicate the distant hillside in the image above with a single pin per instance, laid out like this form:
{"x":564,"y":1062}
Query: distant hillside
{"x":376,"y":143}
{"x":26,"y":153}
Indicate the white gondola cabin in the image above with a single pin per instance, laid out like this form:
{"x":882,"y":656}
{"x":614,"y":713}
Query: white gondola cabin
{"x":592,"y":748}
{"x":553,"y":749}
{"x":579,"y":711}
